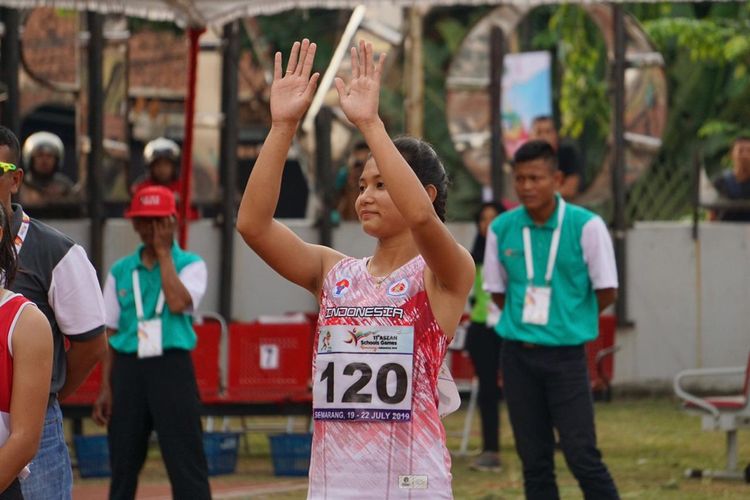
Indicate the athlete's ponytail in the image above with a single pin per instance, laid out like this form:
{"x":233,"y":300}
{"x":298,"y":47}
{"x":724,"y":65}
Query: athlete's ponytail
{"x":7,"y":251}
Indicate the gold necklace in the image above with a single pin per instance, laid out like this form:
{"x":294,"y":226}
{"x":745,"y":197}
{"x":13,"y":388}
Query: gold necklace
{"x":378,"y":281}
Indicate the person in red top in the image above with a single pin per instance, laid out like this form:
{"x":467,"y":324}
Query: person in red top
{"x":162,"y":159}
{"x":25,"y":370}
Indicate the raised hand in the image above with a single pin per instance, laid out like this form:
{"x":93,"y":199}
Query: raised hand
{"x":292,"y":92}
{"x":360,"y":101}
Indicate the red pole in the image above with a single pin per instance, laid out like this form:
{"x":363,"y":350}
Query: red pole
{"x":187,"y":144}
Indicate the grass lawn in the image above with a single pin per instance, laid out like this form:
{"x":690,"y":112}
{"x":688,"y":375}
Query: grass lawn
{"x":646,"y":443}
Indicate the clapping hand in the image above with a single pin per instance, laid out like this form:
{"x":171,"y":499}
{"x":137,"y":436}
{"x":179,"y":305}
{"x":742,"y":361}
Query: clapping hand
{"x":360,"y":101}
{"x":292,"y":92}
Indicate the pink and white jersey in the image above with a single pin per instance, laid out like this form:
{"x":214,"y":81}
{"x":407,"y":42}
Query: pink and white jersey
{"x":11,"y":306}
{"x":377,"y":355}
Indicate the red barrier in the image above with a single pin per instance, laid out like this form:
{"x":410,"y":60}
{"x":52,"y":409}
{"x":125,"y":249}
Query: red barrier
{"x":206,"y":360}
{"x":88,"y":391}
{"x":269,"y":362}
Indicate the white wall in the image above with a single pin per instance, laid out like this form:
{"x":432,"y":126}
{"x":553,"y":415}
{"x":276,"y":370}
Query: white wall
{"x":689,"y":302}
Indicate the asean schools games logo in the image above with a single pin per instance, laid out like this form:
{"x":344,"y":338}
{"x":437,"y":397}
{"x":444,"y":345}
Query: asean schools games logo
{"x":355,"y":336}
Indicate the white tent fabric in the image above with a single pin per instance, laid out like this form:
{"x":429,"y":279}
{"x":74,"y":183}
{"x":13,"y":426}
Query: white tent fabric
{"x":218,"y":12}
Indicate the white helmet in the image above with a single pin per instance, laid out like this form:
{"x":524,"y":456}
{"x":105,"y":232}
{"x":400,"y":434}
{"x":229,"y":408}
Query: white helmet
{"x":43,"y":141}
{"x":161,"y":147}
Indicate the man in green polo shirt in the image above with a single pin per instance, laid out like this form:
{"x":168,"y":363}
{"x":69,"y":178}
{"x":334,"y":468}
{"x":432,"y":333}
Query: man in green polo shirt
{"x":148,"y":381}
{"x":550,"y":266}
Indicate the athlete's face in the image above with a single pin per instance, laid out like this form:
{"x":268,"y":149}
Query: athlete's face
{"x":377,"y":213}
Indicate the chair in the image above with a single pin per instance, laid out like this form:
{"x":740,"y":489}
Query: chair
{"x":722,"y":413}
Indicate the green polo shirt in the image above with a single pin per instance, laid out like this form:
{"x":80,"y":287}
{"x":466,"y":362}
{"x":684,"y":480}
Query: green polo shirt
{"x":574,"y":310}
{"x":177,"y":329}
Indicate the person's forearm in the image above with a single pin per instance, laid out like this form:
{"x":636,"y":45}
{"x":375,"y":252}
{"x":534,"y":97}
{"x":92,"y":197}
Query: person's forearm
{"x":606,"y":297}
{"x":15,"y":454}
{"x":264,"y":185}
{"x":81,"y":359}
{"x":107,"y":359}
{"x":176,"y":296}
{"x":499,"y":300}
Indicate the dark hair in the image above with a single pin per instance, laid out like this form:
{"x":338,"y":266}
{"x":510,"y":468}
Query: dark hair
{"x":542,"y":118}
{"x":9,"y":139}
{"x":360,"y":145}
{"x":739,"y":139}
{"x":477,"y":250}
{"x":499,"y":208}
{"x":535,"y":150}
{"x":7,"y":250}
{"x":425,"y":162}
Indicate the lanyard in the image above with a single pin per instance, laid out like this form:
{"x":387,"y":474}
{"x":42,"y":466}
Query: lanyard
{"x":139,"y":300}
{"x":554,"y":246}
{"x":22,"y":231}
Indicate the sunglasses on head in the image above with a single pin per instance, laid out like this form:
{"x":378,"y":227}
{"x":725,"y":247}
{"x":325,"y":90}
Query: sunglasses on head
{"x":7,"y":167}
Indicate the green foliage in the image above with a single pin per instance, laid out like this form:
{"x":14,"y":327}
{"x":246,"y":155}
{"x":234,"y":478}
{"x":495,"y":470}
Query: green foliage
{"x":319,"y":25}
{"x":707,"y":56}
{"x":706,"y":40}
{"x":583,"y":91}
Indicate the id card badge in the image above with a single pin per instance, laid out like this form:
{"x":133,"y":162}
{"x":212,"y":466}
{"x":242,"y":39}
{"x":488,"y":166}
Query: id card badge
{"x":536,"y":305}
{"x":149,"y":338}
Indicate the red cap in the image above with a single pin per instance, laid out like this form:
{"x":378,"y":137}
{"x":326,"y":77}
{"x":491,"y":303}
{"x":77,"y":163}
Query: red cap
{"x":152,"y":201}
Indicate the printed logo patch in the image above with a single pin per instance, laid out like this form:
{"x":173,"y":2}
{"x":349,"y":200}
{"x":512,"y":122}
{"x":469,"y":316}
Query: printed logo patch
{"x":325,"y":342}
{"x":399,"y":288}
{"x":412,"y":482}
{"x":341,"y":287}
{"x":355,"y":336}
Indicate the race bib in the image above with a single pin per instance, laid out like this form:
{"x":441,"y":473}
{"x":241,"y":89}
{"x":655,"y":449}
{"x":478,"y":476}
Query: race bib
{"x":364,"y":373}
{"x":536,"y":305}
{"x":149,"y":338}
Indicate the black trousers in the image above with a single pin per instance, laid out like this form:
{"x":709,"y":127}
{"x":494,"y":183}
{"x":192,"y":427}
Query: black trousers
{"x":546,"y":388}
{"x":156,"y":394}
{"x":484,"y":346}
{"x":12,"y":492}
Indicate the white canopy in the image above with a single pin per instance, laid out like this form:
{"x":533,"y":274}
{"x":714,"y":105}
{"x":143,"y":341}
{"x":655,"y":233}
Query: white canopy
{"x":218,"y":12}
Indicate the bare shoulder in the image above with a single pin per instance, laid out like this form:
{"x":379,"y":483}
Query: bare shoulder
{"x":32,"y":325}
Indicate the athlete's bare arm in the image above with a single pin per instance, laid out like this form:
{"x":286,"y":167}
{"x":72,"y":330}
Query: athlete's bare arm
{"x":450,"y":273}
{"x":299,"y":262}
{"x":32,"y":372}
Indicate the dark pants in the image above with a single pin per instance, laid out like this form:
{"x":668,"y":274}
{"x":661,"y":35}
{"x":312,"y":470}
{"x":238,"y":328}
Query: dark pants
{"x":484,"y":347}
{"x":546,"y":388}
{"x":12,"y":492}
{"x":156,"y":394}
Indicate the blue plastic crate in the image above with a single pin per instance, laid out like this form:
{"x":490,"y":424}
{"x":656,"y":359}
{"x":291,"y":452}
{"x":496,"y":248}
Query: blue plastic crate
{"x":291,"y":454}
{"x":92,"y":453}
{"x":221,"y":451}
{"x":221,"y":448}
